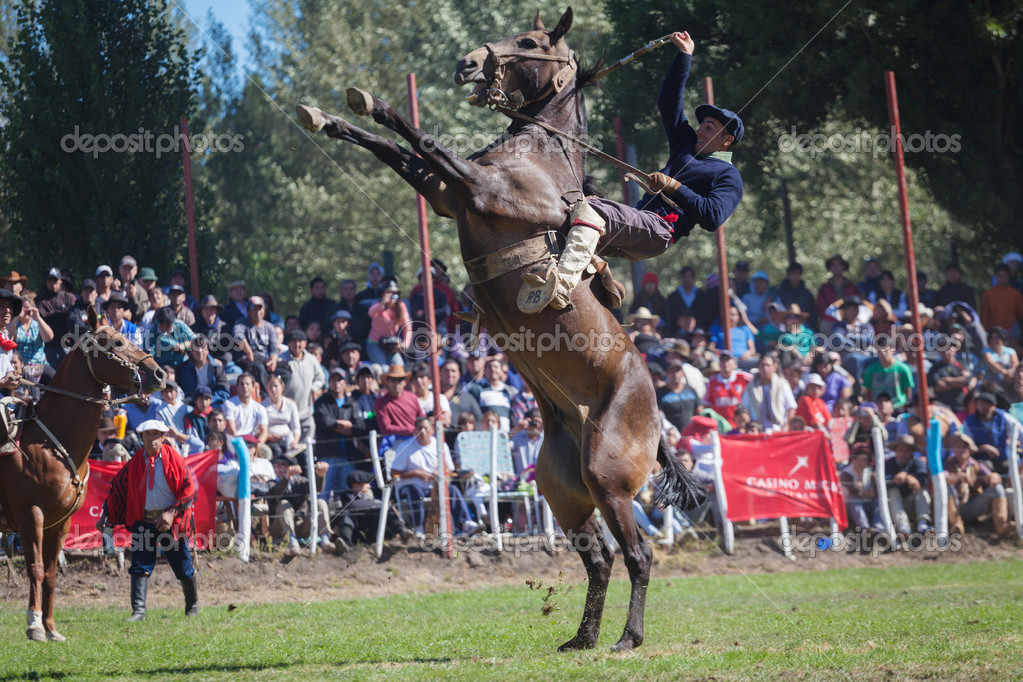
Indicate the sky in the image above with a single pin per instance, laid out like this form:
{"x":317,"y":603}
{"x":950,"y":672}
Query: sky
{"x":233,"y":14}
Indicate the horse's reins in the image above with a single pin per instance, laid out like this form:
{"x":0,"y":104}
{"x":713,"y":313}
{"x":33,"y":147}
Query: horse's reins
{"x":77,"y":481}
{"x":508,"y":104}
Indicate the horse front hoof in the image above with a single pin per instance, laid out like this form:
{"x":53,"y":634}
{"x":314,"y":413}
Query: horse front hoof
{"x":55,"y":636}
{"x":627,"y":643}
{"x":578,"y":643}
{"x":311,"y":118}
{"x":36,"y":634}
{"x":360,"y":101}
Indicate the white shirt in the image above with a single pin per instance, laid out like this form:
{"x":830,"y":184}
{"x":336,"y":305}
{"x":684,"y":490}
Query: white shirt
{"x":283,"y":422}
{"x":161,"y":496}
{"x":427,"y":403}
{"x":413,"y":455}
{"x":245,"y":417}
{"x":6,"y":367}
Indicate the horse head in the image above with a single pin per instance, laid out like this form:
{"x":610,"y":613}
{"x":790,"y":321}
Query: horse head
{"x":521,"y":69}
{"x":116,"y":361}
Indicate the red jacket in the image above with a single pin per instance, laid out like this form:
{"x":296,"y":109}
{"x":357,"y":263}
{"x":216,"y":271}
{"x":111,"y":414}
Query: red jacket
{"x":127,"y":499}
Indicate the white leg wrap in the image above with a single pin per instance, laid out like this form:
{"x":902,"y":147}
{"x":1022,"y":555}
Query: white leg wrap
{"x":35,"y":620}
{"x":580,"y":245}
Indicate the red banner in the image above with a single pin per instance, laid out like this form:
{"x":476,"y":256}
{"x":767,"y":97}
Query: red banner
{"x":782,"y":474}
{"x":83,"y":534}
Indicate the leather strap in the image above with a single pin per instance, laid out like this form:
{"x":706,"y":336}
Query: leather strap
{"x":520,"y":255}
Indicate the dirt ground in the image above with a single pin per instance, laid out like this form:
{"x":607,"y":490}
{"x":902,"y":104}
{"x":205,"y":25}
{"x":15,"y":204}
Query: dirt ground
{"x":272,"y":577}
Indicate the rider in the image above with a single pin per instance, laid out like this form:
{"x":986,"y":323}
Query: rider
{"x":10,"y":307}
{"x":699,"y":178}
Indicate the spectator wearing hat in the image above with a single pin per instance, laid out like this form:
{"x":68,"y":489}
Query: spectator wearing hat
{"x":236,"y":309}
{"x":304,"y":380}
{"x":1002,"y":304}
{"x":859,"y":489}
{"x":644,"y":329}
{"x":176,"y":293}
{"x":837,"y":286}
{"x":852,"y":338}
{"x":906,"y":480}
{"x":138,"y":298}
{"x":169,"y":339}
{"x":115,"y":308}
{"x":989,"y":429}
{"x":259,"y":341}
{"x":30,"y":333}
{"x":339,"y":427}
{"x":203,"y":372}
{"x":685,"y":301}
{"x":793,"y":290}
{"x":725,"y":389}
{"x":699,"y":178}
{"x":180,"y":279}
{"x":14,"y":282}
{"x":768,"y":397}
{"x":318,"y":306}
{"x":54,"y":304}
{"x":976,"y":489}
{"x":757,"y":298}
{"x":365,"y":299}
{"x":397,"y":409}
{"x":795,"y":339}
{"x":221,"y":343}
{"x":871,"y":284}
{"x":888,"y":375}
{"x":955,"y":289}
{"x":389,"y":318}
{"x":147,"y":281}
{"x":153,"y":495}
{"x":291,"y":517}
{"x":887,"y":291}
{"x":104,"y":279}
{"x":649,"y":296}
{"x":10,"y":307}
{"x":999,"y":359}
{"x":340,"y":336}
{"x":811,"y":406}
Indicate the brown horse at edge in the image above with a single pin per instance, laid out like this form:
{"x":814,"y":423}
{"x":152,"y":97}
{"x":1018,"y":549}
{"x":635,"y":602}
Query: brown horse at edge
{"x":39,"y":491}
{"x":600,"y":415}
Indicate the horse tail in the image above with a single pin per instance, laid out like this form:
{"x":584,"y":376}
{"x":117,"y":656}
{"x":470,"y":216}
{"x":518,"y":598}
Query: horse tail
{"x":675,"y":485}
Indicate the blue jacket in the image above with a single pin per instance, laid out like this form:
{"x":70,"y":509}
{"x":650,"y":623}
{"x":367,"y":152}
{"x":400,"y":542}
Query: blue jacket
{"x":711,"y":187}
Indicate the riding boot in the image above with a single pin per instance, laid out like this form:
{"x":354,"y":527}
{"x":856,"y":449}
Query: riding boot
{"x":613,"y":288}
{"x":139,"y":586}
{"x":191,"y":590}
{"x":1000,"y":517}
{"x":581,"y":243}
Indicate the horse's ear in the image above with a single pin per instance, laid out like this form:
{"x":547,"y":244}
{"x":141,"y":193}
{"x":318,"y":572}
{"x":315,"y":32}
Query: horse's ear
{"x":562,"y":28}
{"x":93,"y":319}
{"x":538,"y":23}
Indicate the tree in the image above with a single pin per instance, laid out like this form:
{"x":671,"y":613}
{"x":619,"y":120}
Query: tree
{"x":92,"y":167}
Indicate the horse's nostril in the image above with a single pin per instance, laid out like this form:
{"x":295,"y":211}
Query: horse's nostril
{"x":160,"y":375}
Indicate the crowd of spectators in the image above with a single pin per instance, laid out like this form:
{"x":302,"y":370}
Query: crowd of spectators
{"x":841,"y":361}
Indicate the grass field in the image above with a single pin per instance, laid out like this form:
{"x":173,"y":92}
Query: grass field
{"x":932,"y":620}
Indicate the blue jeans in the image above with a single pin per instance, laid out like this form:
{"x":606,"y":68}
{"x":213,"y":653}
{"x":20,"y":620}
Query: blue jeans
{"x":145,"y":540}
{"x":336,"y":477}
{"x":416,"y":490}
{"x":379,"y":356}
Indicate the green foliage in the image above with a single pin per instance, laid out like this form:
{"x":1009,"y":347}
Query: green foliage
{"x":940,"y":620}
{"x":101,"y":68}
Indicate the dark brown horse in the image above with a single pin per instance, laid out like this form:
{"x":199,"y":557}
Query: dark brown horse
{"x":602,"y":429}
{"x":40,"y":488}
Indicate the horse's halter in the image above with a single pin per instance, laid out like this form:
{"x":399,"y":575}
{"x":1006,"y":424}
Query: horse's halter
{"x":89,"y":345}
{"x":497,"y":97}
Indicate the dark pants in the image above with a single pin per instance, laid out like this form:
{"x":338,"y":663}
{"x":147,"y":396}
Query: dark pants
{"x":145,"y":540}
{"x":416,"y":490}
{"x":361,"y":518}
{"x":631,"y":233}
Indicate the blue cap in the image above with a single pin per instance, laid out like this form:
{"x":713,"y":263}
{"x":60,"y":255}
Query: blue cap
{"x":760,"y":274}
{"x":729,"y":119}
{"x":341,"y":315}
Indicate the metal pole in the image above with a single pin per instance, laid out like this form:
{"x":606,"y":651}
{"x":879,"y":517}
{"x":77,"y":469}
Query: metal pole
{"x":193,"y":262}
{"x":719,"y":240}
{"x":314,"y":510}
{"x":907,"y":240}
{"x":424,"y":249}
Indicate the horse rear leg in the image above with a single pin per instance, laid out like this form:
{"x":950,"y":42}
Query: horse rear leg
{"x":30,"y":527}
{"x":51,"y":548}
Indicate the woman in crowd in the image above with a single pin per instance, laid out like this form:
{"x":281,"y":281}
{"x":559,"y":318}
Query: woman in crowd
{"x":32,"y":333}
{"x":389,"y":317}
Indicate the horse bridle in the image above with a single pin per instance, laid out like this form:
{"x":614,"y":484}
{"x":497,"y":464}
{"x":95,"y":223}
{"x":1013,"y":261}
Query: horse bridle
{"x":497,"y":97}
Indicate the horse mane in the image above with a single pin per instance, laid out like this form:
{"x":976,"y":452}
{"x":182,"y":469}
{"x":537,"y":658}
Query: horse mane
{"x":584,"y":77}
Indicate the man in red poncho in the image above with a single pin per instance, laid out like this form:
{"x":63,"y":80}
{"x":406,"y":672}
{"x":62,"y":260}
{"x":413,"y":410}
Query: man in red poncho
{"x":152,"y":495}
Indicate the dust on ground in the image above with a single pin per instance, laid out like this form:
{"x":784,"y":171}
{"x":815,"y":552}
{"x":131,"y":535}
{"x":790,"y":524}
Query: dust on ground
{"x":271,"y":577}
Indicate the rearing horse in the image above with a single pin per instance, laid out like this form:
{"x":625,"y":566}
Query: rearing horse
{"x":601,"y":423}
{"x":41,"y":487}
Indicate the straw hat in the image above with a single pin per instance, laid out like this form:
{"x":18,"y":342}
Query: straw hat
{"x":642,"y":314}
{"x":12,"y":277}
{"x":795,"y":310}
{"x":396,"y":372}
